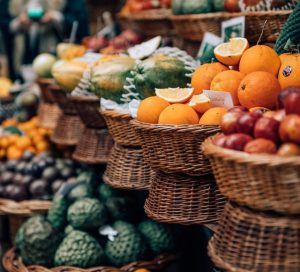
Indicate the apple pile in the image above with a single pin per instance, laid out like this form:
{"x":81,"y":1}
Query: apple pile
{"x":260,"y":131}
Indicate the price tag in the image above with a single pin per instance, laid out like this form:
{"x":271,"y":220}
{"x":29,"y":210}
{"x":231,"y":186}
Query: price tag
{"x":219,"y":99}
{"x":144,"y":49}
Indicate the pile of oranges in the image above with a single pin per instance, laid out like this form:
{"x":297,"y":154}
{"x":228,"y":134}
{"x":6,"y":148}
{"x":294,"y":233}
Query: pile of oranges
{"x":34,"y":139}
{"x":254,"y":77}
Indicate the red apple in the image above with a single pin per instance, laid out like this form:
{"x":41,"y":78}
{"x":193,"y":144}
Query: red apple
{"x":238,"y":109}
{"x":292,"y":103}
{"x":289,"y":149}
{"x":245,"y":123}
{"x":267,"y":128}
{"x":284,"y":93}
{"x":229,"y":120}
{"x":220,"y":140}
{"x":289,"y":130}
{"x":260,"y":146}
{"x":232,"y":5}
{"x":237,"y":141}
{"x":277,"y":115}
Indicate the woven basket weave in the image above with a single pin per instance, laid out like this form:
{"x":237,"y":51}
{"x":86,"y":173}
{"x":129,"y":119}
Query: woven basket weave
{"x":46,"y":92}
{"x":193,"y":27}
{"x":265,"y":182}
{"x":7,"y":107}
{"x":69,"y":128}
{"x":12,"y":263}
{"x":120,"y":128}
{"x":249,"y":241}
{"x":183,"y":199}
{"x":175,"y":149}
{"x":127,"y":169}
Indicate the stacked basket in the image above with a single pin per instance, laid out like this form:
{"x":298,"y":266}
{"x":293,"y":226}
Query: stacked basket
{"x":264,"y":239}
{"x":182,"y":190}
{"x":126,"y":168}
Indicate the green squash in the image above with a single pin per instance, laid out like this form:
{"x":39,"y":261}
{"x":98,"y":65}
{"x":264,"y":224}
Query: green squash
{"x":191,"y":6}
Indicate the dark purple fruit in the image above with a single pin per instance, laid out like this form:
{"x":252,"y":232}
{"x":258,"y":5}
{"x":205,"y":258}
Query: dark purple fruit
{"x":55,"y":186}
{"x":8,"y":189}
{"x":21,"y":167}
{"x":66,"y":173}
{"x":18,"y":193}
{"x":26,"y":181}
{"x":39,"y":188}
{"x":11,"y":165}
{"x":71,"y":180}
{"x":17,"y":179}
{"x":50,"y":174}
{"x":2,"y":191}
{"x":27,"y":156}
{"x":7,"y":177}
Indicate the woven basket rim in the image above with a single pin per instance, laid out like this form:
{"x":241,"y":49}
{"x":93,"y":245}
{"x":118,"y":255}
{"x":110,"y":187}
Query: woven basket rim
{"x":26,"y":207}
{"x":116,"y":113}
{"x":150,"y":14}
{"x":218,"y":15}
{"x":83,"y":98}
{"x":160,"y":261}
{"x":269,"y":160}
{"x":45,"y":80}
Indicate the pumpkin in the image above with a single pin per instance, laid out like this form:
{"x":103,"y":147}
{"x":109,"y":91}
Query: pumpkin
{"x":289,"y":72}
{"x":67,"y":74}
{"x":109,"y":76}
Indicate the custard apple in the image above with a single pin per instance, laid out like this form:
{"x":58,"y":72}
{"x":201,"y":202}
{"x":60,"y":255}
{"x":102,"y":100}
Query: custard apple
{"x":122,"y":208}
{"x":57,"y":214}
{"x":105,"y":192}
{"x":83,"y":190}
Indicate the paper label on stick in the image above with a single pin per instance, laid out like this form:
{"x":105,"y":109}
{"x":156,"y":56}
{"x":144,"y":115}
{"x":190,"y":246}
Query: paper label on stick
{"x":219,"y":99}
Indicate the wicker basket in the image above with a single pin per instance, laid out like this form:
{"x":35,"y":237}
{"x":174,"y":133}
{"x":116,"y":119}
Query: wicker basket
{"x":150,"y":22}
{"x":126,"y":169}
{"x":193,"y":27}
{"x":120,"y":128}
{"x":175,"y":149}
{"x":183,"y":199}
{"x":248,"y":241}
{"x":69,"y":128}
{"x":12,"y":263}
{"x":46,"y":93}
{"x":7,"y":107}
{"x":23,"y":208}
{"x":265,"y":182}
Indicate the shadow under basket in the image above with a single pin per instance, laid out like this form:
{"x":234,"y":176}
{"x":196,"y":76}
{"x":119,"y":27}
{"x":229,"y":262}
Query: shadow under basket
{"x":175,"y":148}
{"x":264,"y":182}
{"x":12,"y":263}
{"x":182,"y":199}
{"x":127,"y":169}
{"x":249,"y":241}
{"x":70,"y":127}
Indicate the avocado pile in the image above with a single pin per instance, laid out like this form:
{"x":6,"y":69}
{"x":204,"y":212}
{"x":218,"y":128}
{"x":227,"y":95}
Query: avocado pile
{"x":92,"y":226}
{"x":36,"y":176}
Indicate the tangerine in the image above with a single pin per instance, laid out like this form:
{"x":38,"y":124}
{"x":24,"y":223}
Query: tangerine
{"x":213,"y":116}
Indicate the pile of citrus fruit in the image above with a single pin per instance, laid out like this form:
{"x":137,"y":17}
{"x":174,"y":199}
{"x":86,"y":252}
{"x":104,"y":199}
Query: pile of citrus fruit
{"x":254,"y":77}
{"x":21,"y":137}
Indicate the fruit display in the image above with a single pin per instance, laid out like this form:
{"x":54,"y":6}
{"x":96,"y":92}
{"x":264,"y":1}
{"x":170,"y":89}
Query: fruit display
{"x":264,"y":132}
{"x":42,"y":65}
{"x":88,"y":233}
{"x":36,"y":176}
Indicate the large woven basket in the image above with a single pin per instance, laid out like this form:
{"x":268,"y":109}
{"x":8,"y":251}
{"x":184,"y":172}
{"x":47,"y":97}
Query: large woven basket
{"x":182,"y":199}
{"x":23,"y":208}
{"x":120,"y":128}
{"x":12,"y":263}
{"x":265,"y":182}
{"x":150,"y":22}
{"x":127,"y":169}
{"x":70,"y":127}
{"x":249,"y":241}
{"x":193,"y":27}
{"x":175,"y":149}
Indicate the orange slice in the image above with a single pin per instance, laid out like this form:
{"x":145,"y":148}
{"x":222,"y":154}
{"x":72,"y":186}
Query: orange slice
{"x":175,"y":95}
{"x":200,"y":103}
{"x":231,"y":52}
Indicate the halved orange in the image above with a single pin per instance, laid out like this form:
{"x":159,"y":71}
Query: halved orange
{"x":231,"y":52}
{"x":175,"y":95}
{"x":200,"y":103}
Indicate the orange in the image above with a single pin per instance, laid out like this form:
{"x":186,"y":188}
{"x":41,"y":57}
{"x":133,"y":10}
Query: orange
{"x":231,"y":52}
{"x":42,"y":146}
{"x":175,"y":95}
{"x":23,"y":142}
{"x":200,"y":103}
{"x":31,"y":149}
{"x":142,"y":270}
{"x":228,"y":81}
{"x":285,"y":56}
{"x":259,"y":89}
{"x":12,"y":139}
{"x":2,"y":153}
{"x":9,"y":122}
{"x":14,"y":153}
{"x":4,"y":142}
{"x":178,"y":114}
{"x":260,"y":58}
{"x":204,"y":74}
{"x":213,"y":116}
{"x":289,"y":73}
{"x":150,"y":109}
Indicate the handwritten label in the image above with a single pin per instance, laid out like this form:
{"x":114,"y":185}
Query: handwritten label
{"x":219,"y":99}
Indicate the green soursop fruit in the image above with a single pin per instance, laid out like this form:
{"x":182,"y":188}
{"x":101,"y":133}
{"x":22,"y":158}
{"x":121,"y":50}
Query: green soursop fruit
{"x":57,"y":214}
{"x":128,"y":245}
{"x":291,"y":31}
{"x":105,"y":192}
{"x":19,"y":239}
{"x":40,"y":241}
{"x":68,"y":230}
{"x":87,"y":213}
{"x":84,"y":190}
{"x":158,"y":236}
{"x":79,"y":249}
{"x":122,"y":208}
